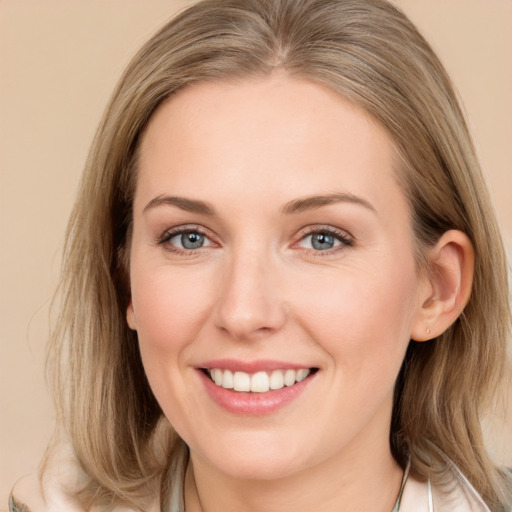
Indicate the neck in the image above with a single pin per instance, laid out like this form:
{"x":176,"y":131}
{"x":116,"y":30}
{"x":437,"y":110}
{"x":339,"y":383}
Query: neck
{"x":345,"y":483}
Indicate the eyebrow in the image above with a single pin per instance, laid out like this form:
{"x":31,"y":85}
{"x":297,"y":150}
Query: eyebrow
{"x":313,"y":202}
{"x":189,"y":205}
{"x":295,"y":206}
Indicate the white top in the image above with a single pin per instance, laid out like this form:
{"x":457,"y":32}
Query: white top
{"x":60,"y":484}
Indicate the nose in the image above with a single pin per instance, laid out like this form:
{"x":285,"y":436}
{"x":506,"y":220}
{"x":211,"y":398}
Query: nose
{"x":251,"y":302}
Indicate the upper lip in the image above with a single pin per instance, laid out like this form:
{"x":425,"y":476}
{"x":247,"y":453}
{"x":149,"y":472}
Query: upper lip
{"x":254,"y":366}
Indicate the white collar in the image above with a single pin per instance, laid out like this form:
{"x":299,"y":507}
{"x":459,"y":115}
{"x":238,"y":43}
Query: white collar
{"x":457,"y":495}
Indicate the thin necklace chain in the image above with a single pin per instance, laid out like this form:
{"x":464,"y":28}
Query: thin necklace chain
{"x":396,"y":508}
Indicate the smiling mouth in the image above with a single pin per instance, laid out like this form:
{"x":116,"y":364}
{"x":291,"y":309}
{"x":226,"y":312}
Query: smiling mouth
{"x":259,"y":382}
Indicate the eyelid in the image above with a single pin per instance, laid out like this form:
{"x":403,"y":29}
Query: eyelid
{"x":346,"y":239}
{"x":343,"y":236}
{"x":170,"y":233}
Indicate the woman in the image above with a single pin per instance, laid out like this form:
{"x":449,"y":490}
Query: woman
{"x":284,"y":285}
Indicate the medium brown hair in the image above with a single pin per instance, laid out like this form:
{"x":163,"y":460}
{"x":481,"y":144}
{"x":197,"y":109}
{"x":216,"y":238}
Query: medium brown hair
{"x":370,"y":53}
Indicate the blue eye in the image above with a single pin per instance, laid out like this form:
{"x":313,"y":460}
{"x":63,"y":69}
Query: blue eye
{"x":190,"y":240}
{"x":186,"y":239}
{"x":324,"y":240}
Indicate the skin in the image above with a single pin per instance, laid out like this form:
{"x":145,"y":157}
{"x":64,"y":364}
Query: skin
{"x":258,"y":289}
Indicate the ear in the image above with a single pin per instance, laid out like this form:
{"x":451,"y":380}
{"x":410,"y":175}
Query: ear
{"x":449,"y":280}
{"x":130,"y":317}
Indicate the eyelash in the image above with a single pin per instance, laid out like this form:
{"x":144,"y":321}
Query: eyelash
{"x":339,"y":235}
{"x":166,"y":237}
{"x":343,"y":237}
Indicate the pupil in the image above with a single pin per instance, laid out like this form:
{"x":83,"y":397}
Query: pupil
{"x":321,"y":241}
{"x":192,"y":240}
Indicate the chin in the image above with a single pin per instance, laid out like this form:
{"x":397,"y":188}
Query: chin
{"x":261,"y":469}
{"x":263,"y":459}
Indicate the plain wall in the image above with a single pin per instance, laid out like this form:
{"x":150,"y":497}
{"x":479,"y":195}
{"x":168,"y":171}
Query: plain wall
{"x":59,"y":61}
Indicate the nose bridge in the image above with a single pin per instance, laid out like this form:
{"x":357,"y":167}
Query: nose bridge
{"x":250,"y":302}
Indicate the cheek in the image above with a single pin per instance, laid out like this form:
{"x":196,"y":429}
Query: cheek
{"x":168,"y":306}
{"x":363,"y":316}
{"x":170,"y":309}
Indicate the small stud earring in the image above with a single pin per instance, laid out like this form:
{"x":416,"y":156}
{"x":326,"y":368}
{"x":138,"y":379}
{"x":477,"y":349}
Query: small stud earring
{"x":428,"y":330}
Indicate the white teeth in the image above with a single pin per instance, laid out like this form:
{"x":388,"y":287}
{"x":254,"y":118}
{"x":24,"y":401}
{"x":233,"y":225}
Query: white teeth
{"x":301,"y":374}
{"x":289,"y":377}
{"x":217,"y":376}
{"x":259,"y":382}
{"x":241,"y":381}
{"x":227,"y":380}
{"x":276,"y":379}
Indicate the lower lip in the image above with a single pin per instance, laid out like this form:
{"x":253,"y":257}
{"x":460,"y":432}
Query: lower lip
{"x":253,"y":404}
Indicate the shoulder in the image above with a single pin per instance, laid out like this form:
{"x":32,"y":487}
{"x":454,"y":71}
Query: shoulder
{"x":58,"y":489}
{"x":17,"y":506}
{"x":29,"y":495}
{"x":456,"y":495}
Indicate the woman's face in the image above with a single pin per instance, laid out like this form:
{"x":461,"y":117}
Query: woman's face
{"x":272,"y":242}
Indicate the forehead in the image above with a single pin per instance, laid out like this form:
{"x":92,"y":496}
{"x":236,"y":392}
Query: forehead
{"x":276,"y":135}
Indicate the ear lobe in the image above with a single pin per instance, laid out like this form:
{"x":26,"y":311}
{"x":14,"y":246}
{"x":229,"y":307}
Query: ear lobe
{"x":450,"y":275}
{"x":130,"y":317}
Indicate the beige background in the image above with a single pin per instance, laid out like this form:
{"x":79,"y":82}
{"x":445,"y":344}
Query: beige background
{"x":59,"y":60}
